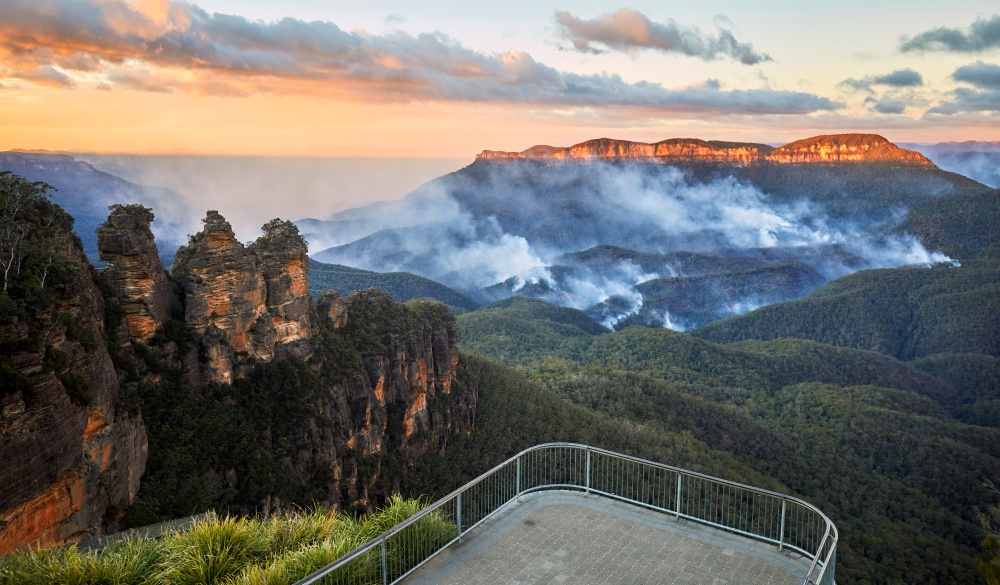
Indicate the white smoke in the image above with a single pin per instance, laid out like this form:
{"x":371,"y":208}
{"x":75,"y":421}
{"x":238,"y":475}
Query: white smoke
{"x":668,"y":323}
{"x":433,"y":234}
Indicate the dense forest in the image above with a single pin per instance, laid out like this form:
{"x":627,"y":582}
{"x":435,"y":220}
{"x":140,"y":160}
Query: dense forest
{"x":879,"y":444}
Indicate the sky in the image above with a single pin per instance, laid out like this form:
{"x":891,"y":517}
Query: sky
{"x":449,"y":79}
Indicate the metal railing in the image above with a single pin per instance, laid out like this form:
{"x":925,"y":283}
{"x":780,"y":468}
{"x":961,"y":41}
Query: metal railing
{"x":784,"y":521}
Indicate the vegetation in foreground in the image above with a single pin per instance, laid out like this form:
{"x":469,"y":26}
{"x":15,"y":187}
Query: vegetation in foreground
{"x":229,"y":550}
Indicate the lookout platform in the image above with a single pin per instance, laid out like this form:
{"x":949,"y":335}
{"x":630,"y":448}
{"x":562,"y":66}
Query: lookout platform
{"x":574,"y":538}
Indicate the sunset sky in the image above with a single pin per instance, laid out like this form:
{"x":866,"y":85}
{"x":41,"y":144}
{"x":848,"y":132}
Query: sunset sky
{"x":449,"y":79}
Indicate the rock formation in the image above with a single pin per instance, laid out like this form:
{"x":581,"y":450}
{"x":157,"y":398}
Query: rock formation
{"x":126,"y":243}
{"x":846,"y":148}
{"x":70,"y":453}
{"x":284,"y":265}
{"x":244,"y":303}
{"x":73,"y":455}
{"x":832,"y":148}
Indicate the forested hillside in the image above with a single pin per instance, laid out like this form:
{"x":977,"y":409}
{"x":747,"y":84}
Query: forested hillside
{"x":869,"y":439}
{"x":403,"y":286}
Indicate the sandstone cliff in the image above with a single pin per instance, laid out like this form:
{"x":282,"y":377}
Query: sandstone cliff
{"x":836,"y":148}
{"x":283,"y":260}
{"x":71,"y":454}
{"x":245,"y":304}
{"x":402,"y":405}
{"x":126,"y":243}
{"x":375,"y":395}
{"x":846,"y":148}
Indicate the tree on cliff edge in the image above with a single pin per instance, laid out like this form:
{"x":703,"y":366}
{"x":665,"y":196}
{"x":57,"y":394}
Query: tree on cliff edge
{"x":29,"y":250}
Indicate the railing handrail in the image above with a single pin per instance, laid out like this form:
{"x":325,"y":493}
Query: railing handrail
{"x":811,"y":577}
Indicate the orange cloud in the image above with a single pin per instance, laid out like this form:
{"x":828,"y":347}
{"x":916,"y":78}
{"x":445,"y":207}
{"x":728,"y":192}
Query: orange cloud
{"x":148,"y":45}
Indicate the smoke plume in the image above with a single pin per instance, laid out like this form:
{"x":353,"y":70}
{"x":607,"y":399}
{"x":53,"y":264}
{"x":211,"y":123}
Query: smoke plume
{"x":499,"y":230}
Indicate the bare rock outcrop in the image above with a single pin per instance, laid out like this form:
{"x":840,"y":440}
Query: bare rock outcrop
{"x":223,"y":289}
{"x":838,"y":148}
{"x":244,"y":303}
{"x":283,"y":260}
{"x":126,"y":243}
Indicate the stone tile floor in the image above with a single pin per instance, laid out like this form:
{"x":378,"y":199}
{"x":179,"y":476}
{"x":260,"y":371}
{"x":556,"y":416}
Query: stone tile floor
{"x":569,"y":537}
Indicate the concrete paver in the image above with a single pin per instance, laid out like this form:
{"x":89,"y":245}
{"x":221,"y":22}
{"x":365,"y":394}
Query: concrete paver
{"x":569,"y":537}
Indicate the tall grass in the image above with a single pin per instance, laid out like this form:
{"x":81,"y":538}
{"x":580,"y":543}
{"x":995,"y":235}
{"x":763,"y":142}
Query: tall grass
{"x":239,"y":551}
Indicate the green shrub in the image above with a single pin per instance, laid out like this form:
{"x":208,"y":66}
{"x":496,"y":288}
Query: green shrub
{"x":234,"y":551}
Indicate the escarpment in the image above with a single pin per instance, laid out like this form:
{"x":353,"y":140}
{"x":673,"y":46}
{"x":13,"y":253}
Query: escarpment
{"x":836,"y":148}
{"x":257,"y":397}
{"x":73,"y":445}
{"x":846,"y":148}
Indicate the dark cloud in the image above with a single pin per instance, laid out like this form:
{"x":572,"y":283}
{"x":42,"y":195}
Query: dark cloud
{"x":889,"y":106}
{"x":897,"y":78}
{"x":984,"y":97}
{"x":984,"y":34}
{"x":982,"y":75}
{"x":964,"y":99}
{"x":900,"y":78}
{"x":628,"y":30}
{"x":230,"y":55}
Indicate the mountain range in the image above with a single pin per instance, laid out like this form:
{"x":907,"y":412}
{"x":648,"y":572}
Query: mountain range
{"x":681,"y":232}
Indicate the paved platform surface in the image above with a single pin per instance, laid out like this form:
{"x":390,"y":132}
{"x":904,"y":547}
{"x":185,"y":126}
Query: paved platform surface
{"x":569,"y":537}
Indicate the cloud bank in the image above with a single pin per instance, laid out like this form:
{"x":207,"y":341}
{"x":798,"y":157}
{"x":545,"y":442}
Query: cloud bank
{"x":172,"y":46}
{"x":979,"y":74}
{"x":984,"y":96}
{"x":982,"y":35}
{"x":628,"y":30}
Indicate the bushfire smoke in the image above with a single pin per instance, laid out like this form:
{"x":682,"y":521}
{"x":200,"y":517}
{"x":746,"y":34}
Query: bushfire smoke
{"x":493,"y":230}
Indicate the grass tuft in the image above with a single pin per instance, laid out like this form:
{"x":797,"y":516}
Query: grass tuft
{"x":238,"y":551}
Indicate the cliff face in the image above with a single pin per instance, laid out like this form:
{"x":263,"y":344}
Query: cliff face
{"x":404,"y":404}
{"x":378,"y":394}
{"x":126,"y":243}
{"x":283,"y":261}
{"x":846,"y":148}
{"x":244,"y":303}
{"x":70,"y":453}
{"x":829,"y":149}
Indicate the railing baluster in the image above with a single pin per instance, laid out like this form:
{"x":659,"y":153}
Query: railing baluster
{"x":781,"y":538}
{"x":677,"y":504}
{"x":385,"y":572}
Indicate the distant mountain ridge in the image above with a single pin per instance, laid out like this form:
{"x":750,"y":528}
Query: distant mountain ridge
{"x":767,"y":231}
{"x":830,"y":148}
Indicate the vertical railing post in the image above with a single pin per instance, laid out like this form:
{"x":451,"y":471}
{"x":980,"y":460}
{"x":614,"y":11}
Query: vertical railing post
{"x":458,"y":514}
{"x":677,"y":498}
{"x":385,"y":572}
{"x":588,"y":471}
{"x":781,"y":537}
{"x":517,"y":481}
